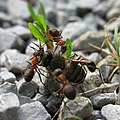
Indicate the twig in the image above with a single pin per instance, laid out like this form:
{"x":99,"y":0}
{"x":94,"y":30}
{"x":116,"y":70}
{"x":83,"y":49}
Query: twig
{"x":101,"y":89}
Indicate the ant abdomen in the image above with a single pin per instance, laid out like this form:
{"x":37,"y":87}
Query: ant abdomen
{"x":28,"y":74}
{"x":70,"y":92}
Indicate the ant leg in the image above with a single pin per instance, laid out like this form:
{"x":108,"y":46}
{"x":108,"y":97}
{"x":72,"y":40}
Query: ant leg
{"x":101,"y":76}
{"x":40,"y":77}
{"x":55,"y":49}
{"x":35,"y":44}
{"x":39,"y":70}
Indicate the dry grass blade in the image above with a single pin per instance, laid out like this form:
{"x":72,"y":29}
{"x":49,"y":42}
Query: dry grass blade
{"x":113,"y":72}
{"x":100,"y":49}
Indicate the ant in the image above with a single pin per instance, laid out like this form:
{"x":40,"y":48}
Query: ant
{"x":68,"y":90}
{"x":90,"y":65}
{"x":55,"y":35}
{"x":28,"y":73}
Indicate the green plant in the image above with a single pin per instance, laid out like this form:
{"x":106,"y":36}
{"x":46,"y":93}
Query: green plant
{"x":41,"y":30}
{"x":114,"y":49}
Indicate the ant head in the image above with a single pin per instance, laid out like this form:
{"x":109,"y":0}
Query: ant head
{"x":91,"y":66}
{"x":54,"y":33}
{"x":69,"y":92}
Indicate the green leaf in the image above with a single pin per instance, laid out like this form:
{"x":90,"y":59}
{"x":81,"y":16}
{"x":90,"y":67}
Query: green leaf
{"x":41,"y":22}
{"x":39,"y":26}
{"x":36,"y":33}
{"x":116,"y":39}
{"x":41,"y":10}
{"x":68,"y":51}
{"x":32,"y":13}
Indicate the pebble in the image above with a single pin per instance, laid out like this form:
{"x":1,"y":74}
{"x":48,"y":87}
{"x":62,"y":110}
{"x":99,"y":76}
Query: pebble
{"x":74,"y":29}
{"x":9,"y":40}
{"x":100,"y":100}
{"x":28,"y":89}
{"x":3,"y":6}
{"x":80,"y":106}
{"x":9,"y":104}
{"x":102,"y":8}
{"x":7,"y":87}
{"x":92,"y":81}
{"x":31,"y":111}
{"x":114,"y":12}
{"x":11,"y":62}
{"x":111,"y":112}
{"x":24,"y":99}
{"x":15,"y":9}
{"x":82,"y":42}
{"x":95,"y":56}
{"x":84,"y":7}
{"x":8,"y":76}
{"x":5,"y":17}
{"x":95,"y":115}
{"x":21,"y":31}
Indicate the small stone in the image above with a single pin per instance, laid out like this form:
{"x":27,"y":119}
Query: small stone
{"x":114,"y":12}
{"x":74,"y":29}
{"x":96,"y":57}
{"x":41,"y":98}
{"x":31,"y":111}
{"x":3,"y":6}
{"x":103,"y":7}
{"x":62,"y":18}
{"x":92,"y":81}
{"x":69,"y":8}
{"x":13,"y":60}
{"x":8,"y":87}
{"x":82,"y":43}
{"x":51,"y":13}
{"x":9,"y":105}
{"x":106,"y":70}
{"x":24,"y":100}
{"x":94,"y":22}
{"x":8,"y":76}
{"x":84,"y":7}
{"x":3,"y":69}
{"x":116,"y":78}
{"x":21,"y":31}
{"x":1,"y":80}
{"x":80,"y":106}
{"x":9,"y":40}
{"x":54,"y":103}
{"x":28,"y":89}
{"x":111,"y":112}
{"x":15,"y":9}
{"x":95,"y":115}
{"x":100,"y":100}
{"x":5,"y":17}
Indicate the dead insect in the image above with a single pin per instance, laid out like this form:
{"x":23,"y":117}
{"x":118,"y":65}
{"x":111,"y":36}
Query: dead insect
{"x":76,"y":73}
{"x":57,"y":62}
{"x":46,"y":59}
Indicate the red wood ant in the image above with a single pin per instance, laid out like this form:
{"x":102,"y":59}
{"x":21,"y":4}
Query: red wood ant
{"x":68,"y":90}
{"x":28,"y":73}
